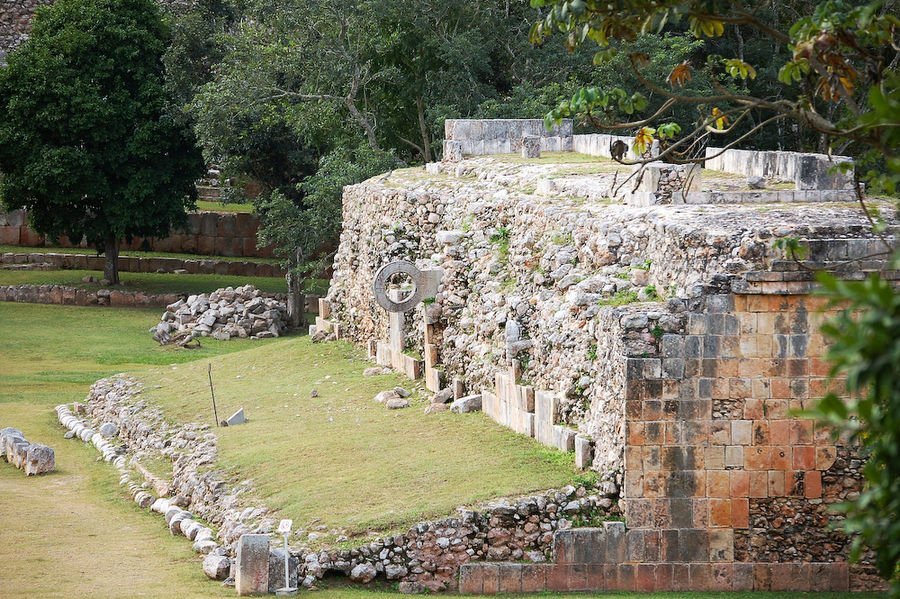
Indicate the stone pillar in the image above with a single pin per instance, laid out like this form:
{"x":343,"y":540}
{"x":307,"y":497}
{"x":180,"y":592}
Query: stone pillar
{"x":252,"y":565}
{"x":531,"y":146}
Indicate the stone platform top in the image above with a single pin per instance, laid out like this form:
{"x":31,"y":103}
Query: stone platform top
{"x":571,"y":183}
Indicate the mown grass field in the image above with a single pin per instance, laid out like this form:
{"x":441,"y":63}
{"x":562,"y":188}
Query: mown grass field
{"x":340,"y":457}
{"x":73,"y":534}
{"x":18,"y":249}
{"x":144,"y":281}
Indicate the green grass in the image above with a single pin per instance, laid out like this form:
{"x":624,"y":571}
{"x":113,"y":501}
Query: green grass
{"x":557,"y":158}
{"x":145,"y":282}
{"x":341,"y":457}
{"x":17,"y":249}
{"x":72,"y":533}
{"x":220,"y":207}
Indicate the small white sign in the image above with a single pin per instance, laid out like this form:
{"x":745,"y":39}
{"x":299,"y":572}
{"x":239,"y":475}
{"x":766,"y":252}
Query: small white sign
{"x":284,"y":527}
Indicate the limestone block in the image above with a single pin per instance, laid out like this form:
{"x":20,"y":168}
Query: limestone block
{"x":237,"y":418}
{"x":276,"y":570}
{"x":531,"y":146}
{"x":39,"y":459}
{"x":252,"y":565}
{"x":453,"y":151}
{"x":217,"y":566}
{"x":563,"y":438}
{"x":584,"y":451}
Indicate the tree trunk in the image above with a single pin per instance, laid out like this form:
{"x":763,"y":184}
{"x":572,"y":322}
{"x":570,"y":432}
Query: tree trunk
{"x":111,"y":267}
{"x":296,"y":300}
{"x":423,"y":127}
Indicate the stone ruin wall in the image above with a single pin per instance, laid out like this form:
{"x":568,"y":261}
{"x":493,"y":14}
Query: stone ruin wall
{"x":15,"y":23}
{"x":687,"y":400}
{"x":207,"y":233}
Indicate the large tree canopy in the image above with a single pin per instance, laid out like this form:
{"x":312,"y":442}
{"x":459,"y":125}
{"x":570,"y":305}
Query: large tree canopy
{"x":89,"y":143}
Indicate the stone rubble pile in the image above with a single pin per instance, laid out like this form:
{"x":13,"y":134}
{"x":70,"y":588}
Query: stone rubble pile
{"x":427,"y":556}
{"x":225,"y":313}
{"x":33,"y":458}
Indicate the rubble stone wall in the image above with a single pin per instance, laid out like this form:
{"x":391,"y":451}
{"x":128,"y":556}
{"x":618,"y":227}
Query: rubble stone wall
{"x":675,"y":337}
{"x":208,"y":233}
{"x":15,"y":23}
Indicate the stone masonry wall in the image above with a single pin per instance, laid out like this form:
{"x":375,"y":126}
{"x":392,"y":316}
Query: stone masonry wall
{"x":208,"y":233}
{"x":15,"y":23}
{"x":688,"y":393}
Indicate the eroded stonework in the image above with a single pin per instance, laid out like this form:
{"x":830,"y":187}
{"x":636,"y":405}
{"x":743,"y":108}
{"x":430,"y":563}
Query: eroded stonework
{"x":675,"y":338}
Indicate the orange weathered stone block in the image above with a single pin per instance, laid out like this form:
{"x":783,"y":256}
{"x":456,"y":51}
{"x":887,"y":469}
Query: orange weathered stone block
{"x":813,"y":484}
{"x":719,"y":512}
{"x":804,"y":458}
{"x":717,"y":483}
{"x":775,"y":481}
{"x":739,"y":483}
{"x":758,"y":484}
{"x":740,"y":513}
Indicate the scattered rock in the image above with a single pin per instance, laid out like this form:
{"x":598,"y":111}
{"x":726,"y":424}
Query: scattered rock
{"x":376,"y":371}
{"x":388,"y":395}
{"x":363,"y":573}
{"x":396,"y":404}
{"x":436,"y":407}
{"x":756,"y":182}
{"x":108,"y":430}
{"x":216,"y":566}
{"x":443,"y":396}
{"x":470,"y":403}
{"x":411,"y":588}
{"x":314,"y":393}
{"x":401,"y":391}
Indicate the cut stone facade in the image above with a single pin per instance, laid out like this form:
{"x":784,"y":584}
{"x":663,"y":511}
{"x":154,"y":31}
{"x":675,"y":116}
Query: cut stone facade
{"x":687,"y":398}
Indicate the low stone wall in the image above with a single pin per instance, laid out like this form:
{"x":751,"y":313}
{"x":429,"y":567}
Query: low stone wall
{"x":504,"y":136}
{"x":140,"y":264}
{"x":806,"y":171}
{"x":598,"y":144}
{"x":208,"y":234}
{"x":427,"y":556}
{"x":73,"y":296}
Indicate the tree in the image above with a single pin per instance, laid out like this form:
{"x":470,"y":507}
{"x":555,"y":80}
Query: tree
{"x":837,"y":80}
{"x":89,"y":142}
{"x":842,"y":62}
{"x":302,"y":228}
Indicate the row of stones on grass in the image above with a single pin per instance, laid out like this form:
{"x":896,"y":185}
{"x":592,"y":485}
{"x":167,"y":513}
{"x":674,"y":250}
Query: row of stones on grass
{"x":33,"y":458}
{"x":204,"y":266}
{"x":427,"y":556}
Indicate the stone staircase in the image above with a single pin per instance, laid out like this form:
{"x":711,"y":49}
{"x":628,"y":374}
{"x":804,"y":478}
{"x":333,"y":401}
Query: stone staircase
{"x":609,"y":558}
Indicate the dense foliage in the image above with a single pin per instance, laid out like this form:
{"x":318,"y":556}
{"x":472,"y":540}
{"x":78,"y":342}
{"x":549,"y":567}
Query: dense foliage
{"x":89,"y":142}
{"x":866,"y":350}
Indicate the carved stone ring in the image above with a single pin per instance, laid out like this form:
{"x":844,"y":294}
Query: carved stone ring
{"x":379,"y":285}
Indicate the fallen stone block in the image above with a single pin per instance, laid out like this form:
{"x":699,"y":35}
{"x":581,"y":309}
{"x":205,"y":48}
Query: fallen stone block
{"x":39,"y":459}
{"x":216,"y":567}
{"x":236,"y":418}
{"x":470,"y":403}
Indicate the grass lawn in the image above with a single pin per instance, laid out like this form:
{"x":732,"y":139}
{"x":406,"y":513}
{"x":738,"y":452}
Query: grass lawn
{"x":18,"y":249}
{"x":147,"y":282}
{"x":341,"y":457}
{"x":220,"y":207}
{"x":73,"y":534}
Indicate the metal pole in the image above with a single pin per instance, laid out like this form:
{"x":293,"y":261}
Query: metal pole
{"x":213,"y":393}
